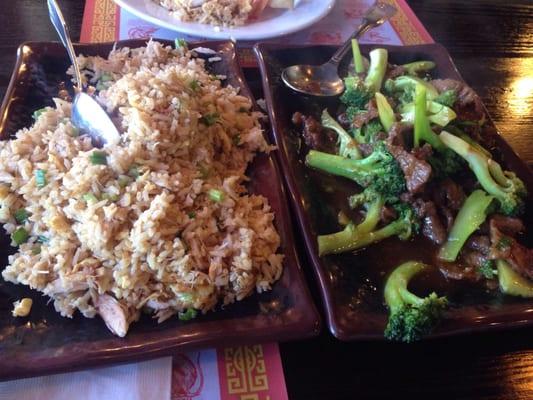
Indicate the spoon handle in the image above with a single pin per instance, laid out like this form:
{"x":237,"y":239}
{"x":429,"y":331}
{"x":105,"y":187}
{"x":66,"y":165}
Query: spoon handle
{"x":374,"y":16}
{"x":56,"y":17}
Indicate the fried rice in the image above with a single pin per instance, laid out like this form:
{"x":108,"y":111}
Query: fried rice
{"x":162,"y":221}
{"x":212,"y":12}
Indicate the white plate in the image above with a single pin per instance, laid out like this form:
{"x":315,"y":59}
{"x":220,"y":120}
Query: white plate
{"x":273,"y":22}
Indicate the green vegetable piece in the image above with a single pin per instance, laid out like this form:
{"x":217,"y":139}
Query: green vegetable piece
{"x":89,"y":197}
{"x":124,"y":181}
{"x":209,"y":119}
{"x":191,"y":215}
{"x":347,"y":145}
{"x":98,"y":158}
{"x":486,"y":269}
{"x":437,"y":113}
{"x":423,"y":131}
{"x":410,"y":317}
{"x":110,"y":197}
{"x":194,"y":85}
{"x":385,"y":111}
{"x":36,"y":249}
{"x":40,"y":178}
{"x":416,"y":67}
{"x":216,"y":195}
{"x":180,"y":43}
{"x":471,"y":215}
{"x":191,"y":313}
{"x":407,"y":83}
{"x":511,"y":282}
{"x":447,"y":98}
{"x":134,"y":171}
{"x":42,"y":239}
{"x":20,"y":236}
{"x":37,"y":113}
{"x":357,"y":57}
{"x":21,"y":215}
{"x":377,"y":69}
{"x":505,"y":186}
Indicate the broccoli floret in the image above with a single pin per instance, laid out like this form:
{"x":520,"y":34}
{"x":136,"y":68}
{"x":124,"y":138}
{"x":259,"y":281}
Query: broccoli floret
{"x":487,"y":269}
{"x":472,"y":214}
{"x":347,"y":145}
{"x":410,"y":316}
{"x":351,"y":238}
{"x":379,"y":170}
{"x":368,"y":132}
{"x":505,"y":186}
{"x":446,"y":98}
{"x":357,"y":91}
{"x":405,"y":86}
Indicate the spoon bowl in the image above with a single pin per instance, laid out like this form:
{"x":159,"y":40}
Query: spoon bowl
{"x":323,"y":80}
{"x":87,"y":115}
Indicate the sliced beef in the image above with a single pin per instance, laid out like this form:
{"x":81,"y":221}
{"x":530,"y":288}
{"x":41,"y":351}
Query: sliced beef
{"x":423,"y":152}
{"x":400,"y":134}
{"x":388,"y":214}
{"x":458,"y":271}
{"x":394,"y":71}
{"x":417,"y":172}
{"x":313,"y":132}
{"x":480,"y":243}
{"x":366,"y":149}
{"x":468,"y":105}
{"x":448,"y":194}
{"x":432,"y":226}
{"x":365,"y":117}
{"x":504,"y":246}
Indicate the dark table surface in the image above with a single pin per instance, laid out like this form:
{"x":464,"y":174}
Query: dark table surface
{"x":491,"y":42}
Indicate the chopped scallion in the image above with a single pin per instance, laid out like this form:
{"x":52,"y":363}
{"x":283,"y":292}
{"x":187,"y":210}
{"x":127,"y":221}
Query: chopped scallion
{"x":20,"y":236}
{"x":37,"y":113}
{"x":36,"y":249}
{"x":21,"y":215}
{"x":209,"y":119}
{"x":191,"y":313}
{"x":123,"y":181}
{"x":89,"y":197}
{"x":110,"y":197}
{"x":98,"y":158}
{"x":180,"y":43}
{"x":40,"y":178}
{"x":194,"y":85}
{"x":216,"y":195}
{"x":42,"y":239}
{"x":134,"y":171}
{"x":191,"y":215}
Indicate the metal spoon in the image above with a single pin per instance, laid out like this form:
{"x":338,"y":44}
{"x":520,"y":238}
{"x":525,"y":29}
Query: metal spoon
{"x":87,"y":115}
{"x":324,"y":80}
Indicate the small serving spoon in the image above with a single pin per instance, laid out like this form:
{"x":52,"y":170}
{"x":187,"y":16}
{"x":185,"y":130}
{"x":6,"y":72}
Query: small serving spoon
{"x":324,"y":80}
{"x":87,"y":115}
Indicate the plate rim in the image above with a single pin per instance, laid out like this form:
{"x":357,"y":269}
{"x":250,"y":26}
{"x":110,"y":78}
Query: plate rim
{"x":308,"y":325}
{"x":223,"y":34}
{"x":261,"y":50}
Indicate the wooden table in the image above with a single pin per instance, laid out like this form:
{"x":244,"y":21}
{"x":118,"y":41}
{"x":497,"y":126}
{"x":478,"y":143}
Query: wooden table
{"x":491,"y":42}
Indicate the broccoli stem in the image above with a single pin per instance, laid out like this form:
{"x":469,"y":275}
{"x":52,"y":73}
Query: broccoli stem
{"x":347,"y":145}
{"x":423,"y":130}
{"x":357,"y":57}
{"x":437,"y":113}
{"x":416,"y":67}
{"x":405,"y":82}
{"x":396,"y":293}
{"x":512,"y":282}
{"x":385,"y":111}
{"x":377,"y":69}
{"x":337,"y":165}
{"x":471,"y":215}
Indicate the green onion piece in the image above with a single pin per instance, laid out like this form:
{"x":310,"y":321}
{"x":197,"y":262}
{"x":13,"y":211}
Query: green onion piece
{"x":191,"y":313}
{"x":194,"y":85}
{"x":204,"y":172}
{"x":21,"y":215}
{"x":191,"y":215}
{"x":42,"y":239}
{"x":89,"y":197}
{"x":134,"y":171}
{"x":236,"y":140}
{"x":185,"y":297}
{"x":37,"y":113}
{"x":110,"y":197}
{"x":123,"y":181}
{"x":40,"y":178}
{"x":98,"y":158}
{"x":209,"y":119}
{"x":180,"y":43}
{"x":106,"y":77}
{"x":36,"y":249}
{"x":216,"y":195}
{"x":20,"y":236}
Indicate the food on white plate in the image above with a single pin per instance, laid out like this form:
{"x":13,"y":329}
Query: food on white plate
{"x":160,"y":222}
{"x":221,"y":12}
